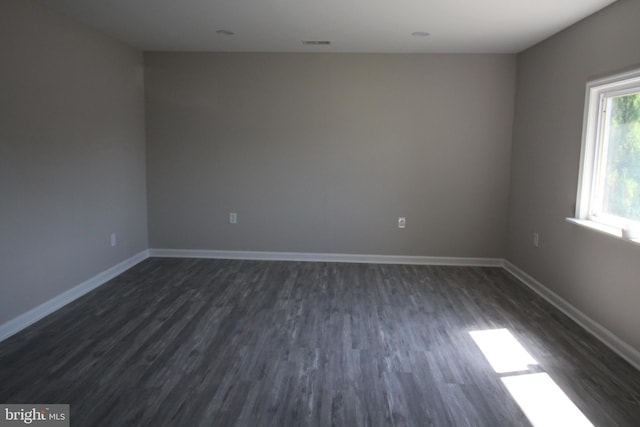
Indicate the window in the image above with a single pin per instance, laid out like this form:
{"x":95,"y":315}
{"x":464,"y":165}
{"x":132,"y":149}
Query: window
{"x":609,"y":192}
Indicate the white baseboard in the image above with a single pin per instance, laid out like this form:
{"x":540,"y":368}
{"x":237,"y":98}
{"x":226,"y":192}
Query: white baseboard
{"x":323,"y":257}
{"x":19,"y":323}
{"x":607,"y":337}
{"x":22,"y":321}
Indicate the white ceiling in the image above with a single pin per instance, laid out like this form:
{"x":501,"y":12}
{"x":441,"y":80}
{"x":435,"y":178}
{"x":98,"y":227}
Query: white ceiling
{"x":456,"y":26}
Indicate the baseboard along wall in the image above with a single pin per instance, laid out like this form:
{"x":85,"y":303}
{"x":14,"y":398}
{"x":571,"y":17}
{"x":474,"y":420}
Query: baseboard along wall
{"x":623,"y":349}
{"x":600,"y":332}
{"x":17,"y":324}
{"x":325,"y":257}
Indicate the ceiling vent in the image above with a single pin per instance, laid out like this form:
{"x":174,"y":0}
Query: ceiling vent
{"x":316,"y":42}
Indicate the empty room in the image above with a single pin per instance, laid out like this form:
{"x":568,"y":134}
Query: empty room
{"x":343,"y":213}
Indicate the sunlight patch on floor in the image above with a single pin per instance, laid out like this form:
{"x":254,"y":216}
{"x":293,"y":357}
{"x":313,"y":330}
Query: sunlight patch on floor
{"x":540,"y":398}
{"x":502,"y":350}
{"x":543,"y":401}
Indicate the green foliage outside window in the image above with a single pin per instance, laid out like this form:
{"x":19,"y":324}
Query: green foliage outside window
{"x":622,"y":185}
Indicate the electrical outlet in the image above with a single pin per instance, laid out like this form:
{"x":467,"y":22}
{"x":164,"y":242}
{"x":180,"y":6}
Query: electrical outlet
{"x":233,"y":218}
{"x":113,"y":239}
{"x":536,"y":239}
{"x":402,"y":222}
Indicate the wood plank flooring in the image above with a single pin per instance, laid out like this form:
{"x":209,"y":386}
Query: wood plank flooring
{"x":188,"y":342}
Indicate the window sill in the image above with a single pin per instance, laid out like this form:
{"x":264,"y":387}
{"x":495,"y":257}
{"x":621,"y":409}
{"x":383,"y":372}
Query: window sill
{"x":606,"y":229}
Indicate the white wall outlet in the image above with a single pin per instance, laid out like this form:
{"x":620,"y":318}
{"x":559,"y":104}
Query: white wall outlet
{"x":233,"y":218}
{"x":536,"y":239}
{"x":113,"y":239}
{"x":402,"y":222}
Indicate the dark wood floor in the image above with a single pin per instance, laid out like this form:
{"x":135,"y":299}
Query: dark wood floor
{"x":217,"y":342}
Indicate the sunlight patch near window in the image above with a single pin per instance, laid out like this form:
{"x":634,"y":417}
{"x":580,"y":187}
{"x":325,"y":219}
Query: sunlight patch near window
{"x":502,"y":350}
{"x":543,"y":401}
{"x":540,"y":398}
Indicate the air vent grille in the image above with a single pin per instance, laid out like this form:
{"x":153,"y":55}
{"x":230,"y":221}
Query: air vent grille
{"x":316,"y":42}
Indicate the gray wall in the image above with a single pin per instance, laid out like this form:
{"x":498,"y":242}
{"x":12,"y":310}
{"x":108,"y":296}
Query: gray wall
{"x":322,"y":153}
{"x":596,"y":273}
{"x":72,"y":155}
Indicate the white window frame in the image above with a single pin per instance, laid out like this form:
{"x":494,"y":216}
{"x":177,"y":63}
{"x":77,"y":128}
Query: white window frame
{"x":593,"y":155}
